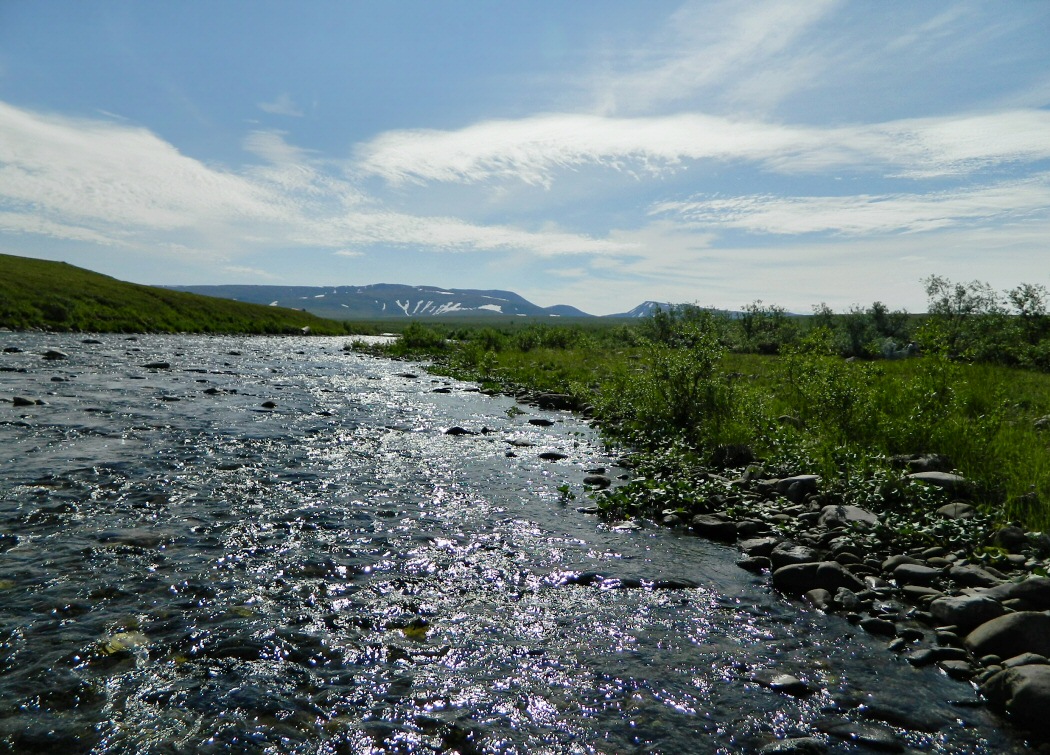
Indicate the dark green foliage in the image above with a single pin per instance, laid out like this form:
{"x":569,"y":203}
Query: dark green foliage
{"x":766,"y":328}
{"x":57,"y":296}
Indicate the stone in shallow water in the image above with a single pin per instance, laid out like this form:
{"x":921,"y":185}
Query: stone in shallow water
{"x":867,"y":735}
{"x":780,"y":682}
{"x":794,"y":746}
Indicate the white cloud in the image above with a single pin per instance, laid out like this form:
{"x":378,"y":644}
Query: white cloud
{"x":534,"y":149}
{"x":110,"y":183}
{"x":712,"y":47}
{"x":283,"y":105}
{"x":864,"y":215}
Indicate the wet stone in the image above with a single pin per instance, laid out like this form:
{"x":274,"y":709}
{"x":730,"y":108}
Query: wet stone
{"x":781,"y":682}
{"x":794,"y":746}
{"x":867,"y":735}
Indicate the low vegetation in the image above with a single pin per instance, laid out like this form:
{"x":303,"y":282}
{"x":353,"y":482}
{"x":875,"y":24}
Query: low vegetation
{"x":35,"y":294}
{"x":846,"y":396}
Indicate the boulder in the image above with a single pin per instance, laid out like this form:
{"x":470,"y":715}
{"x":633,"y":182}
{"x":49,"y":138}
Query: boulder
{"x":966,"y":611}
{"x":916,"y":574}
{"x":1023,"y":693}
{"x":714,"y":527}
{"x":801,"y":578}
{"x":788,"y":552}
{"x":1035,"y":591}
{"x":846,"y":516}
{"x":970,"y":575}
{"x":1011,"y":538}
{"x":1012,"y":634}
{"x":796,"y":488}
{"x":54,"y":355}
{"x":759,"y":546}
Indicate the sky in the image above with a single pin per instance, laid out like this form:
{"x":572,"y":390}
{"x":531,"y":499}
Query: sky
{"x":598,"y":153}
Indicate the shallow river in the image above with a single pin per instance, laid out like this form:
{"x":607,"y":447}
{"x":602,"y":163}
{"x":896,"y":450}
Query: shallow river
{"x":186,"y":570}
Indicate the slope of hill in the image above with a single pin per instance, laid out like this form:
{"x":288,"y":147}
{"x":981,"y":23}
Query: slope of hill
{"x":387,"y":300}
{"x":58,"y":296}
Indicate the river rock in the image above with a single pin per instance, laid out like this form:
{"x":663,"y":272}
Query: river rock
{"x":867,"y":735}
{"x":714,"y":527}
{"x":966,"y":611}
{"x":23,"y":401}
{"x":597,"y":481}
{"x":953,"y":483}
{"x":54,"y":355}
{"x":970,"y":575}
{"x":1034,"y":591}
{"x":846,"y":516}
{"x":1011,"y":538}
{"x":555,"y":401}
{"x":788,"y":552}
{"x":796,"y":488}
{"x":1023,"y":693}
{"x":883,"y":627}
{"x":759,"y":546}
{"x":1012,"y":634}
{"x":457,"y":430}
{"x":893,"y":562}
{"x":541,"y":422}
{"x":794,"y":746}
{"x":157,"y":366}
{"x":915,"y":574}
{"x":553,"y":456}
{"x":1025,"y":659}
{"x":801,"y":578}
{"x":818,"y":598}
{"x":957,"y":510}
{"x":780,"y":682}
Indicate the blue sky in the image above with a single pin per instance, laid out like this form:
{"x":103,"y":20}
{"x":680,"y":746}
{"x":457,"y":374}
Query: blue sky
{"x":590,"y":153}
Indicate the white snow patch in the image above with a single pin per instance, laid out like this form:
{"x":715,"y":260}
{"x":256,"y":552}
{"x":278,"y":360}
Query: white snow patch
{"x":492,"y":307}
{"x":404,"y":306}
{"x":273,"y":304}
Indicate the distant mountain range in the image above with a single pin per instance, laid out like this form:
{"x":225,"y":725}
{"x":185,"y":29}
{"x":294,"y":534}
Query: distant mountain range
{"x":387,"y":300}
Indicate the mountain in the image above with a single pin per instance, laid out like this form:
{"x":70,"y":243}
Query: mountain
{"x":645,"y":309}
{"x":58,"y":296}
{"x":386,"y":300}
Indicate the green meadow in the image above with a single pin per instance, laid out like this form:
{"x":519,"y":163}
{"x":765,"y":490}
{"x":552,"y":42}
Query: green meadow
{"x":36,"y":294}
{"x":690,"y":392}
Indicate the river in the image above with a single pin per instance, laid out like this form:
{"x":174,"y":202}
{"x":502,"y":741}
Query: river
{"x":272,"y":545}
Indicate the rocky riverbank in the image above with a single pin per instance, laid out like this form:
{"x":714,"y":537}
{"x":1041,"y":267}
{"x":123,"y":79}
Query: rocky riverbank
{"x":939,"y":603}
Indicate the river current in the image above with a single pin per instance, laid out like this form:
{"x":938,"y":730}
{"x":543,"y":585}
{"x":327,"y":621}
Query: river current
{"x":272,"y":545}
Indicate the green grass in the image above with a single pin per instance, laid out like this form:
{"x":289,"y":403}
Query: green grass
{"x":36,"y":294}
{"x":676,"y":400}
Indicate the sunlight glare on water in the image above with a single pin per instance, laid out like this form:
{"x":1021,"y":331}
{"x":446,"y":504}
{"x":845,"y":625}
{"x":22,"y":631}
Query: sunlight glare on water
{"x":186,"y":570}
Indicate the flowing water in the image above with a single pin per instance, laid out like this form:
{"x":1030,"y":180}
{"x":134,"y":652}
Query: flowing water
{"x":186,"y":570}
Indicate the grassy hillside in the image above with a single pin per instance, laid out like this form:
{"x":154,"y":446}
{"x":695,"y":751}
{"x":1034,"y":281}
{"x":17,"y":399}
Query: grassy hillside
{"x":58,"y":296}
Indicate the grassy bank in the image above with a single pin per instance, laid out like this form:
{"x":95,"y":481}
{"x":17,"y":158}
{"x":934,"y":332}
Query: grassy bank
{"x":57,"y":296}
{"x":688,"y":405}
